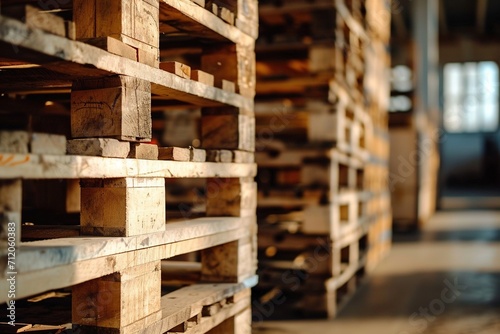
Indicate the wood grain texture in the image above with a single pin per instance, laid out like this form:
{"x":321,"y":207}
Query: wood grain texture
{"x":120,"y":299}
{"x":118,"y":107}
{"x":179,"y":69}
{"x":73,"y":167}
{"x":138,"y":207}
{"x":143,"y":151}
{"x":99,"y":147}
{"x":65,"y":259}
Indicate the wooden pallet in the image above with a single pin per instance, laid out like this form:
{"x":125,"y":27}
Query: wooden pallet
{"x":108,"y":74}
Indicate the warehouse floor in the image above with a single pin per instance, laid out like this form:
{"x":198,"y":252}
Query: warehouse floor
{"x":444,"y":280}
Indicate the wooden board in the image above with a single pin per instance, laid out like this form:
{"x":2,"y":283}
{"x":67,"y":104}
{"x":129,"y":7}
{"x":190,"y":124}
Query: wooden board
{"x":31,"y":166}
{"x":65,"y":258}
{"x":98,"y":62}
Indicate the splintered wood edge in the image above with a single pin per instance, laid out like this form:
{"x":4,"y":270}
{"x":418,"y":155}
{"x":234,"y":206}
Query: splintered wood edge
{"x":82,"y":58}
{"x":31,"y":166}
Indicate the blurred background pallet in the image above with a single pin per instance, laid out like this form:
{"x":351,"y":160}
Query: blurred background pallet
{"x":322,"y":151}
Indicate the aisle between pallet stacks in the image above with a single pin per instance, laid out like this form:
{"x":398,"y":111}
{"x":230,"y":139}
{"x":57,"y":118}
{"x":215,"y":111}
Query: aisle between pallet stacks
{"x":443,"y":280}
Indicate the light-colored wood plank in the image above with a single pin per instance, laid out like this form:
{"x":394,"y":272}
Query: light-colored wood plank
{"x":174,"y":153}
{"x":35,"y":282}
{"x":227,"y":15}
{"x":203,"y":77}
{"x":44,"y":143}
{"x":138,"y":207}
{"x":98,"y":62}
{"x":100,"y":147}
{"x":120,"y":299}
{"x":179,"y":69}
{"x":14,"y":141}
{"x":228,"y":86}
{"x":47,"y":254}
{"x":35,"y":18}
{"x":113,"y":46}
{"x":143,"y":151}
{"x":72,"y":167}
{"x":118,"y":107}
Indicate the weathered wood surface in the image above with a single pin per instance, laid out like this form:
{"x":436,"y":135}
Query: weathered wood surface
{"x":76,"y":59}
{"x":30,"y":166}
{"x":76,"y":260}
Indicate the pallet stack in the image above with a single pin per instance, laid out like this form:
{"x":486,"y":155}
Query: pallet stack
{"x":321,"y":125}
{"x":94,"y":73}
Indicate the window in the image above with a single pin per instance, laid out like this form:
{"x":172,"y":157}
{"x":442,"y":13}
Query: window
{"x":402,"y":86}
{"x":471,"y":97}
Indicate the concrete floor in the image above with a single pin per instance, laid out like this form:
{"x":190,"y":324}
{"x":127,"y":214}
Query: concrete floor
{"x":444,"y":280}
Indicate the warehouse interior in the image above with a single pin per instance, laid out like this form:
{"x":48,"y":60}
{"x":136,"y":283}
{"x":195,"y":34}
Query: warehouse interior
{"x":249,"y":166}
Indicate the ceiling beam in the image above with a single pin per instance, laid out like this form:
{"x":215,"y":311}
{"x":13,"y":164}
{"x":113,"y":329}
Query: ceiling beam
{"x":482,"y":7}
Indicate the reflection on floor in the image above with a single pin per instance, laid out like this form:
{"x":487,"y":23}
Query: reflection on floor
{"x":444,"y":280}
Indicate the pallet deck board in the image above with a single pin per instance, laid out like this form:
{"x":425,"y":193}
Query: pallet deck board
{"x":73,"y":263}
{"x":195,"y":20}
{"x":31,"y":166}
{"x":76,"y":60}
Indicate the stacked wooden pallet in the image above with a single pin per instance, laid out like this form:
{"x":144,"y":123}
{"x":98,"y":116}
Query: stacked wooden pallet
{"x":321,"y":149}
{"x":106,"y":65}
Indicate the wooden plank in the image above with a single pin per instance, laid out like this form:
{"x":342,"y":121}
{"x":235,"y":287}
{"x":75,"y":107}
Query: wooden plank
{"x":113,"y":46}
{"x":179,"y":69}
{"x":231,"y":197}
{"x":101,"y":147}
{"x":226,"y":131}
{"x":188,"y":16}
{"x":143,"y":151}
{"x":203,"y":77}
{"x":228,"y":86}
{"x":138,"y":206}
{"x":35,"y":18}
{"x":118,"y":300}
{"x":118,"y":107}
{"x":14,"y":141}
{"x":34,"y":282}
{"x":98,"y":62}
{"x":47,"y":254}
{"x":227,"y":15}
{"x":219,"y":156}
{"x":174,"y":153}
{"x":232,"y":63}
{"x":232,"y":262}
{"x":44,"y":143}
{"x":74,"y":167}
{"x":183,"y":304}
{"x":182,"y":154}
